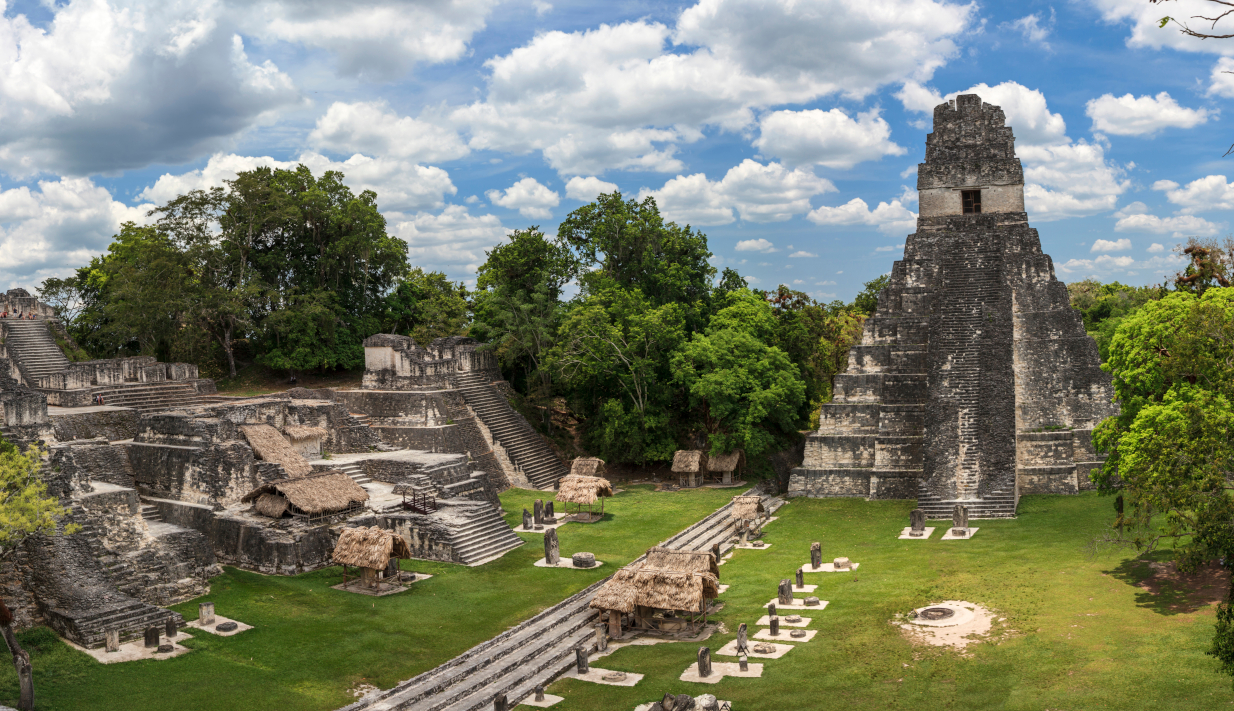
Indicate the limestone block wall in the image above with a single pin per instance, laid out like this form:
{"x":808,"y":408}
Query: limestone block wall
{"x":213,"y":475}
{"x":112,"y":425}
{"x":393,"y":362}
{"x":427,"y":535}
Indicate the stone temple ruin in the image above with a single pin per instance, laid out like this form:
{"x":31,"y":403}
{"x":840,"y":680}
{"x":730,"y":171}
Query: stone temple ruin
{"x":168,"y":480}
{"x":974,"y":381}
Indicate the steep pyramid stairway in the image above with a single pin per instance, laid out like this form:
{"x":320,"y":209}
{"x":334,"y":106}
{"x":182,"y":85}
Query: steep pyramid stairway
{"x":32,"y":348}
{"x":524,"y":446}
{"x":150,"y":397}
{"x":483,"y":534}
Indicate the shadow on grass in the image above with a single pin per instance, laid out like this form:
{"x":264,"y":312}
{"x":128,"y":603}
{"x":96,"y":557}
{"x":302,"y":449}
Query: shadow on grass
{"x":1165,"y":590}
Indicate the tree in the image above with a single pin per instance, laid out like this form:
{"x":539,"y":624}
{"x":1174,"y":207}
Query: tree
{"x":65,"y":297}
{"x":1105,"y":306}
{"x":612,"y":354}
{"x":26,"y":509}
{"x":748,"y":392}
{"x":1171,"y":447}
{"x":867,"y":301}
{"x":1225,"y":9}
{"x":426,"y":306}
{"x":632,"y":247}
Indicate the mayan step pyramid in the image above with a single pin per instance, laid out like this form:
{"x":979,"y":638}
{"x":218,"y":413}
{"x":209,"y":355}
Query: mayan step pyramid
{"x":974,"y":381}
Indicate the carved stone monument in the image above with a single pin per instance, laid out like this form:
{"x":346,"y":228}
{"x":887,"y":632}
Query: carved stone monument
{"x":539,"y":512}
{"x":152,"y":637}
{"x":580,"y":660}
{"x":704,"y":662}
{"x":775,"y":627}
{"x":785,"y":592}
{"x":743,"y":644}
{"x":549,"y":516}
{"x":170,"y":628}
{"x":816,"y":555}
{"x":552,"y":553}
{"x":205,"y":613}
{"x":916,"y":522}
{"x":601,"y":638}
{"x":801,"y":578}
{"x":113,"y":640}
{"x":974,"y":381}
{"x":500,"y":703}
{"x":528,"y":521}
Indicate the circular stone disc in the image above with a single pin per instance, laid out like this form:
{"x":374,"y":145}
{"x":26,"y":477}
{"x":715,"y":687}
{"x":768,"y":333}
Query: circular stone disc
{"x":960,"y":615}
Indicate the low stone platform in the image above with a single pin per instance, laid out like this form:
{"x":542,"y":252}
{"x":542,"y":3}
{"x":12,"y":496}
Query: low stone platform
{"x":784,"y":636}
{"x":949,"y":536}
{"x":927,"y":532}
{"x":212,"y":628}
{"x":135,"y":650}
{"x":730,"y":650}
{"x":596,"y":674}
{"x":719,"y":670}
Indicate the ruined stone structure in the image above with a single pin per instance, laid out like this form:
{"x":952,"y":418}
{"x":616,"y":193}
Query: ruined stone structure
{"x":450,"y":397}
{"x":974,"y":381}
{"x":159,"y":488}
{"x":32,"y":357}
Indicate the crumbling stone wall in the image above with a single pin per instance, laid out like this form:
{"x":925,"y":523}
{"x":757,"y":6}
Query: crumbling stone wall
{"x":113,"y":425}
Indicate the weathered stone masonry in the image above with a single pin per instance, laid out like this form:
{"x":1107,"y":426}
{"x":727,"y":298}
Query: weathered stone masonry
{"x":974,"y":380}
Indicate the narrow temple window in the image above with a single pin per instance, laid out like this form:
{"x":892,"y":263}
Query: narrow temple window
{"x":972,"y":201}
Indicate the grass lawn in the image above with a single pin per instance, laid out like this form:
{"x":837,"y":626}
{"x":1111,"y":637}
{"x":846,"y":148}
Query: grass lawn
{"x":312,"y":644}
{"x":1086,"y":636}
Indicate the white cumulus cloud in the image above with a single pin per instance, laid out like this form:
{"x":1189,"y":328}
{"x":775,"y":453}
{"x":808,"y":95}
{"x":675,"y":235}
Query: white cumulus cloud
{"x":528,"y":196}
{"x":831,"y":138}
{"x":372,"y":129}
{"x":801,"y":253}
{"x":587,"y":189}
{"x":452,"y":241}
{"x":1211,"y":192}
{"x":757,"y":192}
{"x":55,"y":227}
{"x":1144,"y":116}
{"x":756,"y":245}
{"x":1155,"y":248}
{"x":625,"y":96}
{"x":1105,"y":245}
{"x":889,"y":217}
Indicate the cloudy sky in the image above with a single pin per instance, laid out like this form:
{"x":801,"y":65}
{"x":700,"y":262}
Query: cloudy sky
{"x":788,"y":131}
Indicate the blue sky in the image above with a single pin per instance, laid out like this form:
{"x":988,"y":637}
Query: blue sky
{"x":787,"y":131}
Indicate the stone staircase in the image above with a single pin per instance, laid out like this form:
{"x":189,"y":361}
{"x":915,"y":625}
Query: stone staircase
{"x":131,"y":618}
{"x":532,"y":653}
{"x":31,"y":346}
{"x":523,"y":445}
{"x":361,"y":419}
{"x":151,"y":514}
{"x":150,"y":397}
{"x":356,"y":472}
{"x":485,"y":536}
{"x":997,"y":504}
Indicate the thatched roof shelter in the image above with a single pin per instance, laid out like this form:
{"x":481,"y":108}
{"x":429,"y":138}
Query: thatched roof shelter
{"x":685,"y":561}
{"x":299,"y":433}
{"x":659,"y":589}
{"x":724,"y":462}
{"x":687,"y":461}
{"x":583,"y":490}
{"x":268,"y":444}
{"x":747,"y":508}
{"x":587,"y":466}
{"x":369,"y":547}
{"x":312,"y":495}
{"x":271,"y":505}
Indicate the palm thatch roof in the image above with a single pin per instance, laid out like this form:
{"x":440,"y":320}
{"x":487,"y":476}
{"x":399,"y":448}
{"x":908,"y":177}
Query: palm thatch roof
{"x":369,"y":547}
{"x":271,"y":505}
{"x":724,"y":462}
{"x":584,"y":490}
{"x":686,"y":561}
{"x":660,"y":589}
{"x":268,"y":444}
{"x":686,"y":461}
{"x":747,"y":508}
{"x":317,"y":494}
{"x":299,"y":432}
{"x":586,"y":466}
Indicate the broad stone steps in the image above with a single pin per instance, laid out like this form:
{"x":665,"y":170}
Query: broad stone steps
{"x":356,"y":472}
{"x":151,"y":397}
{"x":131,"y":618}
{"x":33,"y":349}
{"x":533,"y":653}
{"x":484,"y":536}
{"x":523,"y":445}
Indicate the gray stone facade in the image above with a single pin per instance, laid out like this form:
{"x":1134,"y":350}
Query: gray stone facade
{"x":974,"y":380}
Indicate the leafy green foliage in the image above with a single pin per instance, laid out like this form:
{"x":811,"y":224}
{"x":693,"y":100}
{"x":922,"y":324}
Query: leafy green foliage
{"x":426,"y":306}
{"x":748,"y":392}
{"x":25,"y":506}
{"x":867,"y":301}
{"x":1104,"y":306}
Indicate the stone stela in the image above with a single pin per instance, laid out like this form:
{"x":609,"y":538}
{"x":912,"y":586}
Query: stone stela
{"x":974,"y":381}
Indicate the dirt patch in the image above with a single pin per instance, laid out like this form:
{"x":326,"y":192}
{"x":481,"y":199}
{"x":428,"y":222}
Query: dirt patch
{"x":972,"y":624}
{"x":1185,"y":592}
